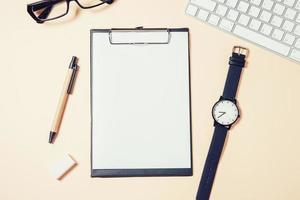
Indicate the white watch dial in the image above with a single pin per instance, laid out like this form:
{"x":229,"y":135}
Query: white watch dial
{"x":225,"y":112}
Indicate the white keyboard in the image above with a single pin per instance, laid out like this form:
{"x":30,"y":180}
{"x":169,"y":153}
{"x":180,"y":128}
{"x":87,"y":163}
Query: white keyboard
{"x":273,"y":24}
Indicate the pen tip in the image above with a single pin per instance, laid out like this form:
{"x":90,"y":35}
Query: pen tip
{"x":52,"y":137}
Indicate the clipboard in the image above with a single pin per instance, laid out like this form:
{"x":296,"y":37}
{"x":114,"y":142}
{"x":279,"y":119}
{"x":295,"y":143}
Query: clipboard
{"x":140,"y":102}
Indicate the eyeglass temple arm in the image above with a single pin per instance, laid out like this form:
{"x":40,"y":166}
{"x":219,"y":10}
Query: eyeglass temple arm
{"x":108,"y":1}
{"x":45,"y":13}
{"x":43,"y":4}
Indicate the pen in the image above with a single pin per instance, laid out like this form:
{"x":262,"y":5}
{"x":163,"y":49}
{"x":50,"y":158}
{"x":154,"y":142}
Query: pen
{"x":67,"y":90}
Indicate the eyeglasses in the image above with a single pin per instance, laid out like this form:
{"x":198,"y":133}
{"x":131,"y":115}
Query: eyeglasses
{"x":47,"y":10}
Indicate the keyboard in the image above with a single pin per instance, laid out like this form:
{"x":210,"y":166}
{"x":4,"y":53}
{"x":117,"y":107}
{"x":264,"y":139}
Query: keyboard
{"x":273,"y":24}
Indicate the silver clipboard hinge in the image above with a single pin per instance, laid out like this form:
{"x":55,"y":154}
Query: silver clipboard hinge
{"x":139,"y":29}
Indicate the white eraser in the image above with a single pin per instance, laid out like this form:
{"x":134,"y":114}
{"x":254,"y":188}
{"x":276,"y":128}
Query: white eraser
{"x":63,"y":166}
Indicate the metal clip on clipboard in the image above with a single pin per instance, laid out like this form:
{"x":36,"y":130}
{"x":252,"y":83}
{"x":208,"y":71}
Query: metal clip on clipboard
{"x":139,"y":36}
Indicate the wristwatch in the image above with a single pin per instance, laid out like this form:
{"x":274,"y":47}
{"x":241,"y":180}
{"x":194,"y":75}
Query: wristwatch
{"x":225,"y":113}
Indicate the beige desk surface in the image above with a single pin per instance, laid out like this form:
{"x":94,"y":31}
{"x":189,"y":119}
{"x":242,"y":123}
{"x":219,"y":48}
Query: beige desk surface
{"x":261,"y":158}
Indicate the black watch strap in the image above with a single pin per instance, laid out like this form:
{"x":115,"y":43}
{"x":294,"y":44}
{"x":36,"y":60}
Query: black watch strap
{"x":236,"y":64}
{"x":211,"y":163}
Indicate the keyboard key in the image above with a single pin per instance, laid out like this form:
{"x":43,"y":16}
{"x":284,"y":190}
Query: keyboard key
{"x":243,"y":6}
{"x":295,"y":55}
{"x":254,"y":11}
{"x":226,"y":24}
{"x":255,"y":24}
{"x":267,"y":4}
{"x":232,"y":14}
{"x":288,"y":26}
{"x":289,"y":2}
{"x":221,"y":10}
{"x":244,"y":19}
{"x":297,"y":30}
{"x":298,"y":18}
{"x":266,"y":29}
{"x":278,"y":9}
{"x":289,"y":39}
{"x":221,"y":1}
{"x":290,"y":13}
{"x":203,"y":14}
{"x":297,"y":6}
{"x":276,"y":21}
{"x":261,"y":40}
{"x":265,"y":16}
{"x":206,"y":4}
{"x":255,"y":2}
{"x":277,"y":34}
{"x":231,"y":3}
{"x":297,"y":45}
{"x":191,"y":10}
{"x":213,"y":19}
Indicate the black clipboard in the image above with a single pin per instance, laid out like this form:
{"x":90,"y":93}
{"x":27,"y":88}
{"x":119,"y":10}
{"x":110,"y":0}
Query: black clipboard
{"x":121,"y":41}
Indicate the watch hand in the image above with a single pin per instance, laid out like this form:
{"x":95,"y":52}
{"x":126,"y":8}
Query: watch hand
{"x":223,"y":113}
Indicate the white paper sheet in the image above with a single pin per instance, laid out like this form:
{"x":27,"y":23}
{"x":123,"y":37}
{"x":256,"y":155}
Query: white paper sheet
{"x":140,"y":103}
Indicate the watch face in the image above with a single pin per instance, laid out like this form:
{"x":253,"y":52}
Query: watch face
{"x":225,"y":112}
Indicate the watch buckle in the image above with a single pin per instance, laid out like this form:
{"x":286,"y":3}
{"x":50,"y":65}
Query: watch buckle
{"x":240,"y":50}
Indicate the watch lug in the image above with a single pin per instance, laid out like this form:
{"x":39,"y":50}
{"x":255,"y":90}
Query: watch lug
{"x":223,"y":98}
{"x":215,"y":123}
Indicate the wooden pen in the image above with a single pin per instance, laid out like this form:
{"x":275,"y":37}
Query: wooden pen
{"x":67,"y":90}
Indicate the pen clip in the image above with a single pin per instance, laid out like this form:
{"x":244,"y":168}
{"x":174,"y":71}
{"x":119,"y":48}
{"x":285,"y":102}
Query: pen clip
{"x":72,"y":81}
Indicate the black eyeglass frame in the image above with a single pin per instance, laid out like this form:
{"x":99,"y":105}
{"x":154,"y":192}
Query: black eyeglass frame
{"x":48,"y":4}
